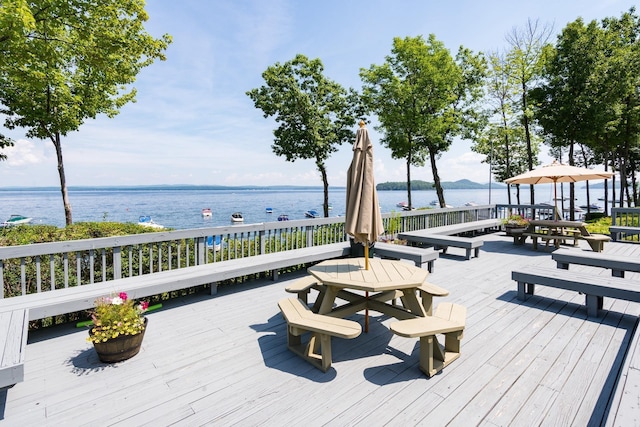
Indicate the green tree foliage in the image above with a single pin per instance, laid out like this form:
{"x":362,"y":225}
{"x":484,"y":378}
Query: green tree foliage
{"x":503,"y":141}
{"x":589,"y":105}
{"x":423,"y":98}
{"x":63,"y":62}
{"x":314,"y":114}
{"x":4,"y":143}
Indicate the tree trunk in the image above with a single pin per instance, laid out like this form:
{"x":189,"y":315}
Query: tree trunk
{"x":525,"y":122}
{"x":325,"y":185}
{"x":409,"y":204}
{"x":436,"y":178}
{"x":63,"y":181}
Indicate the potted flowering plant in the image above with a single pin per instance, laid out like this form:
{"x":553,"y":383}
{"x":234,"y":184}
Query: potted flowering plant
{"x":514,"y":222}
{"x":118,"y":327}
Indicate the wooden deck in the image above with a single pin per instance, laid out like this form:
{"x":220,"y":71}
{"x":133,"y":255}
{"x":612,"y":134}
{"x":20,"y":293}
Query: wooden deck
{"x":223,"y":360}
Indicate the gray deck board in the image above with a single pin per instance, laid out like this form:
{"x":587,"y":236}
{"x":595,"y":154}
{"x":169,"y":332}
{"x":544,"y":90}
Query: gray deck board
{"x":223,"y":360}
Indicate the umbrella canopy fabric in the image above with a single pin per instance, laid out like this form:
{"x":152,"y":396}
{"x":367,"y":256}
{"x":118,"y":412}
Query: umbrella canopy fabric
{"x":363,"y":217}
{"x":557,"y":172}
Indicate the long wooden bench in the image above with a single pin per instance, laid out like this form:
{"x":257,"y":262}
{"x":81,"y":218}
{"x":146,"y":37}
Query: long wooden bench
{"x":69,"y":300}
{"x":449,"y":319}
{"x":300,"y":319}
{"x":624,"y":222}
{"x":616,"y":263}
{"x":595,"y":288}
{"x":420,"y":256}
{"x":619,"y":232}
{"x":465,"y":227}
{"x":441,"y":241}
{"x":14,"y":326}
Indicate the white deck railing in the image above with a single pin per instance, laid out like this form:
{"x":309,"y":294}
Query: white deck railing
{"x":42,"y":267}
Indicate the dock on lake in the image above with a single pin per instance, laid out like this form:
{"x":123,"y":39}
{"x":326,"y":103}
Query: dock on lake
{"x":223,"y":360}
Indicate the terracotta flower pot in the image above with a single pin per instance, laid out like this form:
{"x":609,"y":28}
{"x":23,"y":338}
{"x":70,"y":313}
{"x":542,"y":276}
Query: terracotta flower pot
{"x":121,"y":348}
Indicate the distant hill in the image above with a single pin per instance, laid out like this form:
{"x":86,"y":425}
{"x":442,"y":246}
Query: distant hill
{"x":463,"y":184}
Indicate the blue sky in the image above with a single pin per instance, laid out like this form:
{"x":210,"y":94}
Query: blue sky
{"x":193,"y":123}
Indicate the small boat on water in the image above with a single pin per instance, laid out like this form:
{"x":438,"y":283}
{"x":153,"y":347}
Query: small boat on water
{"x":146,"y":221}
{"x":17,"y":220}
{"x":403,"y":205}
{"x":214,"y":242}
{"x":311,"y":213}
{"x":237,"y":217}
{"x":283,"y":217}
{"x":591,"y":207}
{"x":433,"y":203}
{"x":268,"y":210}
{"x":206,"y":213}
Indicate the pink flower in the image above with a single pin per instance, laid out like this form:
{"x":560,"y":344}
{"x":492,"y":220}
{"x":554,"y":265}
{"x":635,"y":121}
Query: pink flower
{"x":144,"y":305}
{"x":123,"y":296}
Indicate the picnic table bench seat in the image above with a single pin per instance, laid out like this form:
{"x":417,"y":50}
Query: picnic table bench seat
{"x":618,"y":264}
{"x":449,"y":319}
{"x":300,"y":319}
{"x":14,"y":326}
{"x":594,"y":287}
{"x":420,"y":256}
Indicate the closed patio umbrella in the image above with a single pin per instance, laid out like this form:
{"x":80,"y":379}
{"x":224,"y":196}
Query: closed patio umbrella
{"x":363,"y":217}
{"x":557,"y":172}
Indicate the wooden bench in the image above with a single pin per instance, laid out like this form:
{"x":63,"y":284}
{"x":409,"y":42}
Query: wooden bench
{"x":595,"y":288}
{"x":449,"y":319}
{"x":300,"y":319}
{"x":303,"y":286}
{"x":465,"y":227}
{"x":624,"y":222}
{"x":441,"y":241}
{"x":596,"y":241}
{"x":619,"y":232}
{"x":14,"y":326}
{"x":427,"y":291}
{"x":420,"y":256}
{"x":616,"y":263}
{"x":69,"y":300}
{"x":557,"y":239}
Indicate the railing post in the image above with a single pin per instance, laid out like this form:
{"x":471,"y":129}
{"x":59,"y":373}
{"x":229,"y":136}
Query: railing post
{"x":263,"y":242}
{"x":309,"y":235}
{"x":117,"y":263}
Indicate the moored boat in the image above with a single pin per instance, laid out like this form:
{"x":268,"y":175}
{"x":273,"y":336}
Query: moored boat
{"x":268,"y":210}
{"x":311,"y":213}
{"x":206,"y":213}
{"x":283,"y":217}
{"x":402,"y":205}
{"x":146,"y":221}
{"x":237,"y":217}
{"x":17,"y":220}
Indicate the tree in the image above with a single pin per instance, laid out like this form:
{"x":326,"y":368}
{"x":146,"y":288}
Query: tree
{"x":4,"y":143}
{"x":526,"y":57}
{"x":503,"y":140}
{"x":64,"y":62}
{"x":566,"y":105}
{"x":315,"y":114}
{"x":423,"y":98}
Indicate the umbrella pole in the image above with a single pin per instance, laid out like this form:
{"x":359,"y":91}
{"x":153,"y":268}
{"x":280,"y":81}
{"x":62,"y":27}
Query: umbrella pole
{"x":555,"y":199}
{"x":366,"y":267}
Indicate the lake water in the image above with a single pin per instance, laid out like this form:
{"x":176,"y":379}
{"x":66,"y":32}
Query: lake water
{"x":180,"y":208}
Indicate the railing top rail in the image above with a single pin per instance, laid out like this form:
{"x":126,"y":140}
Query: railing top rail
{"x":35,"y":249}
